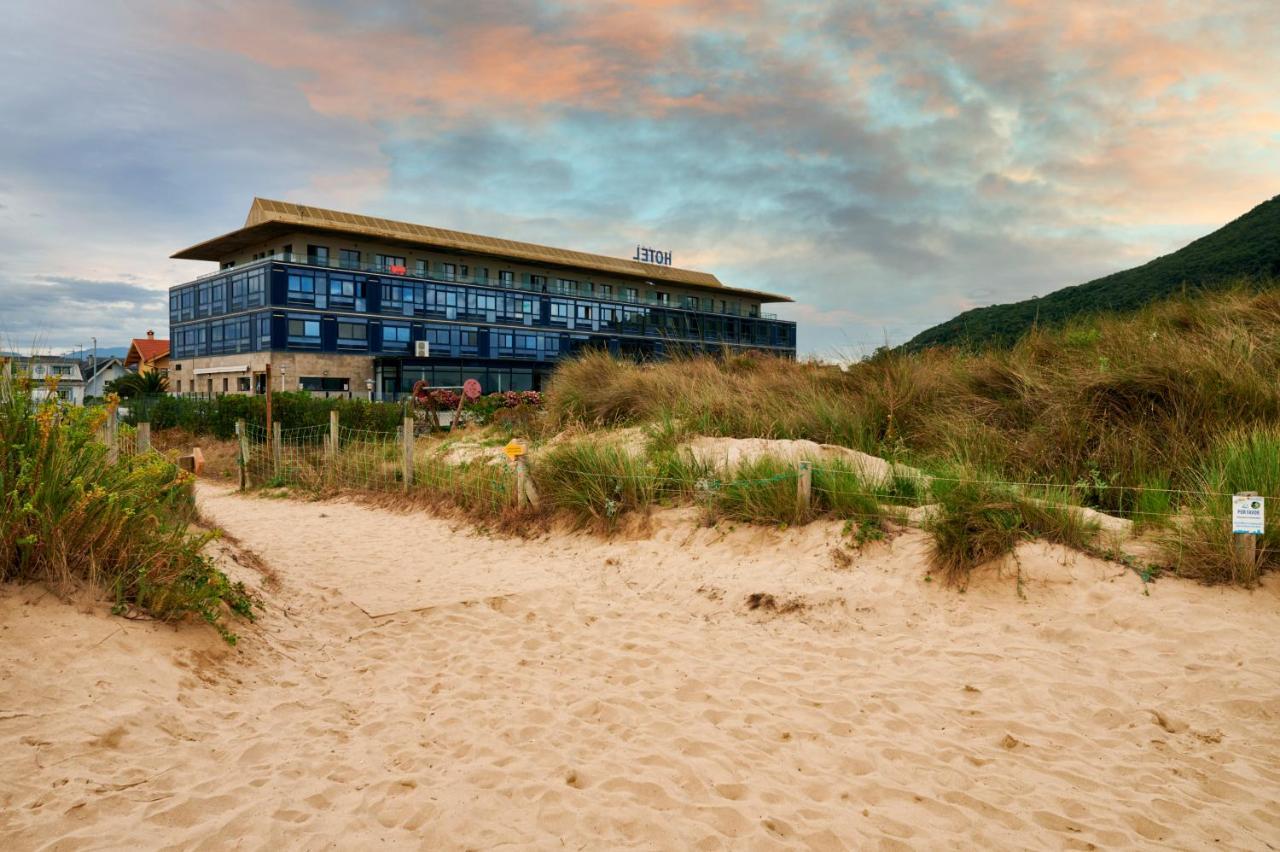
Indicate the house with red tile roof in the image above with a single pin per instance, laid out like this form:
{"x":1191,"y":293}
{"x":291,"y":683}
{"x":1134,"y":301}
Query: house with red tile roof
{"x":147,"y":354}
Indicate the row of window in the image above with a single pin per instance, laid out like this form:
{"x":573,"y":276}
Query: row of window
{"x":252,"y":332}
{"x":248,"y":333}
{"x":221,"y":295}
{"x":351,"y":259}
{"x":420,"y":299}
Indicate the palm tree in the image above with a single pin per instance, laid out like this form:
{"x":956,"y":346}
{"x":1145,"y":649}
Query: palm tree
{"x":150,"y":383}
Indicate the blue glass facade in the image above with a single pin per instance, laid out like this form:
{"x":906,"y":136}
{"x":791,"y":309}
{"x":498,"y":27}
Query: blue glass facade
{"x":293,"y":306}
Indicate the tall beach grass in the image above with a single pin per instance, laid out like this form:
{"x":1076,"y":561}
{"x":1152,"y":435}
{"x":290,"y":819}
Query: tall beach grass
{"x":70,"y":516}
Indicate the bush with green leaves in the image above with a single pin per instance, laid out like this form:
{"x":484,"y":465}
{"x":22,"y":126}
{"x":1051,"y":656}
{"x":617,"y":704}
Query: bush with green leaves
{"x":70,"y":516}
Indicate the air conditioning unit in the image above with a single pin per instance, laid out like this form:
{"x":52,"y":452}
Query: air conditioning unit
{"x":421,"y":349}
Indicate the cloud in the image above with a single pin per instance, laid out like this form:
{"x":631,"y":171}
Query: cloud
{"x":887,"y":164}
{"x":59,"y":313}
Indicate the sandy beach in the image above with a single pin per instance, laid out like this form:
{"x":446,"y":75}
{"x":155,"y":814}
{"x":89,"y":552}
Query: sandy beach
{"x":418,"y":683}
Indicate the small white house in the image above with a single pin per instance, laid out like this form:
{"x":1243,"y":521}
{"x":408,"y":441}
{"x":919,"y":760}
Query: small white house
{"x":108,"y":370}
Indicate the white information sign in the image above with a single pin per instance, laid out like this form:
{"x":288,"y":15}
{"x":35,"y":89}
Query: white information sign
{"x":1246,"y":514}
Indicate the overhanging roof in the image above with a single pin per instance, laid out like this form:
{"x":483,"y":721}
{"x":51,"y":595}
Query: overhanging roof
{"x":269,"y":219}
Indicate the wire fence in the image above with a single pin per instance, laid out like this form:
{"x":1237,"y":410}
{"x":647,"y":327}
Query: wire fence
{"x":341,"y":458}
{"x":322,"y":457}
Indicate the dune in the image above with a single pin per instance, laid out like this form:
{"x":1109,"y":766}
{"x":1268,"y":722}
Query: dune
{"x":413,"y":683}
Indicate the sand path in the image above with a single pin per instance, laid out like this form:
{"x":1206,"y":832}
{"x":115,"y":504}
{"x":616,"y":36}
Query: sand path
{"x":571,"y":692}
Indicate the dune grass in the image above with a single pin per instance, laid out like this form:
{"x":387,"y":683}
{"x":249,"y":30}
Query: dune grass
{"x":70,"y":517}
{"x":1125,"y":413}
{"x":1203,"y":547}
{"x":979,"y":522}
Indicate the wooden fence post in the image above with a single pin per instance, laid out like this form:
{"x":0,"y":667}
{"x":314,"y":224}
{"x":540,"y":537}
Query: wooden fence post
{"x":527,"y":494}
{"x":242,"y":453}
{"x":113,"y":437}
{"x":276,"y":449}
{"x":406,"y":433}
{"x":1246,"y":549}
{"x":333,"y":434}
{"x":804,"y":490}
{"x":144,"y":436}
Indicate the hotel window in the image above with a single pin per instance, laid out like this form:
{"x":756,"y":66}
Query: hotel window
{"x":242,"y":384}
{"x":256,"y":285}
{"x":387,"y":261}
{"x":438,"y":336}
{"x":264,"y":331}
{"x":631,"y":294}
{"x":353,"y":334}
{"x":237,"y":291}
{"x":506,"y":277}
{"x":470,"y":338}
{"x":318,"y":255}
{"x":304,"y":331}
{"x":482,"y":275}
{"x":396,"y":337}
{"x":566,"y":287}
{"x":663,"y":298}
{"x":606,"y":291}
{"x":344,"y":290}
{"x":348,"y":258}
{"x":538,"y":283}
{"x":559,"y":311}
{"x":302,"y":288}
{"x":584,"y":312}
{"x":689,"y":302}
{"x":587,"y":288}
{"x":420,"y":268}
{"x":449,"y":272}
{"x":462,"y":272}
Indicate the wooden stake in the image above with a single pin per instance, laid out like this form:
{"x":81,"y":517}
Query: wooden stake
{"x":526,"y":487}
{"x":804,"y":490}
{"x":406,"y":433}
{"x":242,"y":443}
{"x":269,"y":420}
{"x":113,"y":439}
{"x":277,"y":449}
{"x":1246,"y":550}
{"x":144,"y":436}
{"x":333,"y":434}
{"x":457,"y":415}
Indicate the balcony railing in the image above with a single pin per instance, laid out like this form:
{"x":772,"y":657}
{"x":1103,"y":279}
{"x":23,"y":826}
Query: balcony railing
{"x":649,"y":299}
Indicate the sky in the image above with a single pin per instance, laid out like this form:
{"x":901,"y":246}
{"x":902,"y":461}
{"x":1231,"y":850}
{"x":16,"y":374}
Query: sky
{"x":886,"y":164}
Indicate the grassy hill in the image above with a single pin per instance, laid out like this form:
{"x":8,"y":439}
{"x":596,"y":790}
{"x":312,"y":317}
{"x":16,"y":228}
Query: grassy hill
{"x":1245,"y":249}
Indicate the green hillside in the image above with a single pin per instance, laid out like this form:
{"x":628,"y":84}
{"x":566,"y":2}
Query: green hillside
{"x":1247,"y":248}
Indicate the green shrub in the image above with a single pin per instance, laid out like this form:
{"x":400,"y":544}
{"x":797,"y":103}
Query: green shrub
{"x":69,"y":516}
{"x":217,"y":415}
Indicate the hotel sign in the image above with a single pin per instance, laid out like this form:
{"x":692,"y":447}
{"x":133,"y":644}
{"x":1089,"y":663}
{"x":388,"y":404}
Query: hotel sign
{"x":645,"y":254}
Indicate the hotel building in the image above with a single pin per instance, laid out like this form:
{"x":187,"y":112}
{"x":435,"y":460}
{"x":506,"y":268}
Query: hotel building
{"x":349,"y":305}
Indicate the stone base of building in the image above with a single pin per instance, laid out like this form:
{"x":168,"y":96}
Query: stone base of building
{"x":320,"y":374}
